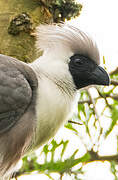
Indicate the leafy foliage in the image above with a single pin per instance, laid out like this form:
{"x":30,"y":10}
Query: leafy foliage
{"x":63,"y":9}
{"x":60,"y":166}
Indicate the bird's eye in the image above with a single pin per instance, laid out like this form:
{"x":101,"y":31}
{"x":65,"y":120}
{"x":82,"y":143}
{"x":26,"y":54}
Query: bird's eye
{"x":78,"y":61}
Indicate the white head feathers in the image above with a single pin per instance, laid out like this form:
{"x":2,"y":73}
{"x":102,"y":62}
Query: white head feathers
{"x":66,"y":39}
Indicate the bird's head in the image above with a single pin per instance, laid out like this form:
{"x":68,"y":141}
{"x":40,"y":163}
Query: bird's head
{"x":71,"y":46}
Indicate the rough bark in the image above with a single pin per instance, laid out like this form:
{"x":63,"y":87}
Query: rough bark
{"x":20,"y":45}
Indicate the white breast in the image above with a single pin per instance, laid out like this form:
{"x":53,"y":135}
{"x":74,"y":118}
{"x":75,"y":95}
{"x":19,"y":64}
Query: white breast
{"x":56,"y":93}
{"x":54,"y":107}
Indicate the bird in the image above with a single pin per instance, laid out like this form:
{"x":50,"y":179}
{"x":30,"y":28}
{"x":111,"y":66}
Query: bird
{"x":36,"y":99}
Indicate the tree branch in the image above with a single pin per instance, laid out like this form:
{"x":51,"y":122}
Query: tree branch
{"x":96,"y":157}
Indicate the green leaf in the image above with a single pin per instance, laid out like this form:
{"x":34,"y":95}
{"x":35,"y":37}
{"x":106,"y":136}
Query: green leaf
{"x":45,"y":149}
{"x":70,"y":126}
{"x":73,"y":155}
{"x":114,"y":117}
{"x":64,"y":147}
{"x":113,"y":169}
{"x":104,"y":60}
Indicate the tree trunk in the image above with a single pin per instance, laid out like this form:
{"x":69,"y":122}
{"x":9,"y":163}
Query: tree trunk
{"x":18,"y":18}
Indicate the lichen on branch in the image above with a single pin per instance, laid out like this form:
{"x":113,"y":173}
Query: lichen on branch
{"x":20,"y":23}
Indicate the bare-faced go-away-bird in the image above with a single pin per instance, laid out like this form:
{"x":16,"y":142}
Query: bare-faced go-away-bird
{"x":37,"y":98}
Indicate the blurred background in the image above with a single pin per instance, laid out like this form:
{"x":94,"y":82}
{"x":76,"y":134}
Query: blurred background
{"x":86,"y":148}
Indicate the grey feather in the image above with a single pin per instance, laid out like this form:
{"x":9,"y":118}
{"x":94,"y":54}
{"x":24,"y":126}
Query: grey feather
{"x":18,"y":85}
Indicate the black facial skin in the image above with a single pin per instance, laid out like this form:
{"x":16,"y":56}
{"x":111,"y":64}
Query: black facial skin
{"x":86,"y":72}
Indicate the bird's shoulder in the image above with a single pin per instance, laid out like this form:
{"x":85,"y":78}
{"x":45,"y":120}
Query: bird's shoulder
{"x":18,"y":83}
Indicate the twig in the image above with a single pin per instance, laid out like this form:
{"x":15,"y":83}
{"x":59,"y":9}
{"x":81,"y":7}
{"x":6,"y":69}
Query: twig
{"x":114,"y":82}
{"x":85,"y":101}
{"x":74,"y":122}
{"x":93,"y":102}
{"x":105,"y":97}
{"x":114,"y":71}
{"x":61,"y":176}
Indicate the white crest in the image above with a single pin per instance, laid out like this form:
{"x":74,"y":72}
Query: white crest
{"x":61,"y":38}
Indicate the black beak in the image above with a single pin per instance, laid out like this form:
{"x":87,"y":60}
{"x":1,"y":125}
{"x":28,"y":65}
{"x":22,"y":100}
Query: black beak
{"x":100,"y":76}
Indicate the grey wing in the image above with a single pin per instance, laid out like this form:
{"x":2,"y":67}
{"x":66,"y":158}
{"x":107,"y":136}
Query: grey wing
{"x":15,"y":91}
